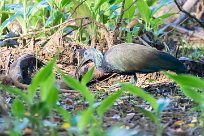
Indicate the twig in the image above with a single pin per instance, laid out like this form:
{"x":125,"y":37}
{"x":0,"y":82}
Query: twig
{"x":130,"y":6}
{"x":64,"y":24}
{"x":75,"y":29}
{"x":77,"y":7}
{"x":191,"y":16}
{"x":189,"y":32}
{"x":104,"y":28}
{"x":120,"y":18}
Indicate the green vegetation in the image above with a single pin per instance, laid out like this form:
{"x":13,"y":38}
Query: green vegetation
{"x":193,"y":88}
{"x":35,"y":107}
{"x":35,"y":15}
{"x":29,"y":110}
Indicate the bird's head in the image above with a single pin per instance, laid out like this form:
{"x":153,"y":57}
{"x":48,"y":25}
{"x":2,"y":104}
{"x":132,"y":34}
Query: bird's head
{"x":91,"y":54}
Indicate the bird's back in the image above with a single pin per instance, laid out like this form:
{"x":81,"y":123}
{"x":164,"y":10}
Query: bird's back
{"x":131,"y":58}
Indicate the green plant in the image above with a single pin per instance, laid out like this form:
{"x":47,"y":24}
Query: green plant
{"x":29,"y":111}
{"x":157,"y":105}
{"x":193,"y":88}
{"x":24,"y":15}
{"x":87,"y":117}
{"x":151,"y":23}
{"x":32,"y":16}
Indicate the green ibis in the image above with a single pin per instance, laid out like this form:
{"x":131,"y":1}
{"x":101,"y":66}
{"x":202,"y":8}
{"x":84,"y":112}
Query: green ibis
{"x":129,"y":59}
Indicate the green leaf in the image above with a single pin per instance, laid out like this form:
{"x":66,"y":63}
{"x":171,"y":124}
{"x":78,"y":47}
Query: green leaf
{"x":14,"y":133}
{"x":151,"y":2}
{"x":64,"y":113}
{"x":85,"y":118}
{"x":17,"y":108}
{"x":141,"y":93}
{"x":108,"y":102}
{"x":193,"y":94}
{"x":65,"y":2}
{"x":53,"y":97}
{"x":47,"y":86}
{"x":148,"y":114}
{"x":17,"y":92}
{"x":88,"y":76}
{"x":131,"y":11}
{"x":75,"y":84}
{"x":40,"y":108}
{"x":144,"y":10}
{"x":187,"y":80}
{"x":10,"y":19}
{"x":82,"y":11}
{"x":164,"y":16}
{"x":48,"y":91}
{"x":99,"y":3}
{"x":40,"y":77}
{"x":31,"y":10}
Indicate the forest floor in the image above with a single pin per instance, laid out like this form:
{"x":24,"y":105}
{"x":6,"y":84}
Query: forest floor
{"x":177,"y":119}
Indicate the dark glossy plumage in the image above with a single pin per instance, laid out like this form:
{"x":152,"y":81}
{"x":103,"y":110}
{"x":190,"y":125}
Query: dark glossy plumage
{"x":132,"y":58}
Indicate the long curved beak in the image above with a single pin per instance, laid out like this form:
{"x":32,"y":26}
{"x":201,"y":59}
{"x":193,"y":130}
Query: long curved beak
{"x":84,"y":60}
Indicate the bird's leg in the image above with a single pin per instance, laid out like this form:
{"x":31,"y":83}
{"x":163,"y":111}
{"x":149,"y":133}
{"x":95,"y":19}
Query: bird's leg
{"x":133,"y":79}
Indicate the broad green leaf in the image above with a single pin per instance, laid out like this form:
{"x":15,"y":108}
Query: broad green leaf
{"x":65,"y":2}
{"x":53,"y":97}
{"x":141,"y":93}
{"x":131,"y":11}
{"x":17,"y":108}
{"x":75,"y":84}
{"x":10,"y":19}
{"x":187,"y":80}
{"x":151,"y":2}
{"x":64,"y":113}
{"x":47,"y":86}
{"x":99,"y":3}
{"x":40,"y":77}
{"x":88,"y":76}
{"x":108,"y":102}
{"x":144,"y":10}
{"x":41,"y":109}
{"x":148,"y":114}
{"x":192,"y":94}
{"x":82,"y":11}
{"x":113,"y":1}
{"x":58,"y":18}
{"x":48,"y":90}
{"x":17,"y":92}
{"x":85,"y":118}
{"x":31,"y":10}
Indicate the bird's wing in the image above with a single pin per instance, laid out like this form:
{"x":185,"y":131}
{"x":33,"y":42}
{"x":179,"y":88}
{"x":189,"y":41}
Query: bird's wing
{"x":137,"y":58}
{"x":130,"y":58}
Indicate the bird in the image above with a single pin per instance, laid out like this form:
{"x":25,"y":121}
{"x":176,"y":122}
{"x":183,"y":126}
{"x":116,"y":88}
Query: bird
{"x":130,"y":58}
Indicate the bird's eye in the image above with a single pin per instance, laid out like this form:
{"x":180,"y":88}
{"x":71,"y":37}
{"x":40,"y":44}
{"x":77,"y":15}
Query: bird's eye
{"x":85,"y":53}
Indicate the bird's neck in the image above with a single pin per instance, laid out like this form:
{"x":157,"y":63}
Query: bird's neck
{"x":98,"y":59}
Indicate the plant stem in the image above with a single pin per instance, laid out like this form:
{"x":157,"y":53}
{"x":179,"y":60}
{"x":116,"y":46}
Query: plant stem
{"x":24,"y":16}
{"x":159,"y":127}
